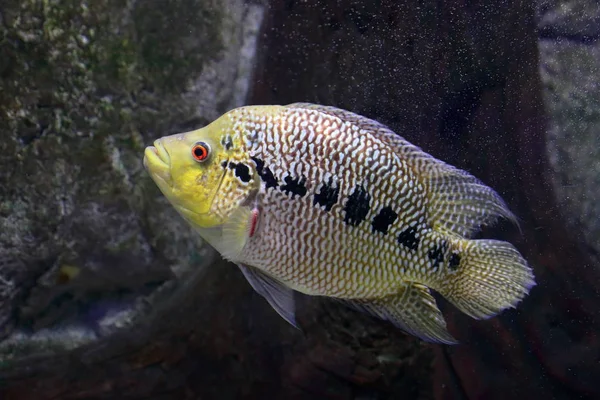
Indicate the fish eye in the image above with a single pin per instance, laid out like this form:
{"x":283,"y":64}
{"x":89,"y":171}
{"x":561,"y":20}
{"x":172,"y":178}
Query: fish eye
{"x":200,"y":151}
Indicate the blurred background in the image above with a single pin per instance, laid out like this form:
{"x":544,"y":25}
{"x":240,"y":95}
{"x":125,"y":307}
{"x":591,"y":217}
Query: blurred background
{"x":106,"y":293}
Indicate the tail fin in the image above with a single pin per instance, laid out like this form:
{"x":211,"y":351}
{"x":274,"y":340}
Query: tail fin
{"x":490,"y":277}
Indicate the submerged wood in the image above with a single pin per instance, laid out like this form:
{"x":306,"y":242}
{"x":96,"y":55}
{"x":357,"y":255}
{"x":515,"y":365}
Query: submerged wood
{"x":462,"y":82}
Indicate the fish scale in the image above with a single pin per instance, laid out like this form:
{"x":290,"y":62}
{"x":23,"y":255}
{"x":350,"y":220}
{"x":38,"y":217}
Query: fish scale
{"x":323,"y":201}
{"x":298,"y":263}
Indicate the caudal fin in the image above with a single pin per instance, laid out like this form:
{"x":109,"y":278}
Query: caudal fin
{"x":490,"y":277}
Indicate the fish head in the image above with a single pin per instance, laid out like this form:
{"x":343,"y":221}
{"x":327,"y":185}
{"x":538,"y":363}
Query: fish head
{"x":194,"y":171}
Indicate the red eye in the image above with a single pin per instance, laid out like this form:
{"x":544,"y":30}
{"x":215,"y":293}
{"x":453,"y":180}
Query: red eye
{"x":200,"y":151}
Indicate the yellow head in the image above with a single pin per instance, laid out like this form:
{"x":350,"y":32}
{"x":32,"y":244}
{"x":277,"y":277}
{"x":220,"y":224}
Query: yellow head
{"x":197,"y":172}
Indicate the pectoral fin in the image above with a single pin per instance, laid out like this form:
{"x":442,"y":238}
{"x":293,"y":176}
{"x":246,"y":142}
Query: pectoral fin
{"x":279,"y":296}
{"x":236,"y":232}
{"x":413,"y":309}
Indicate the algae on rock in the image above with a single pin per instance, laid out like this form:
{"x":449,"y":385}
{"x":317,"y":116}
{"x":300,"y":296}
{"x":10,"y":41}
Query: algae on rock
{"x":85,"y":86}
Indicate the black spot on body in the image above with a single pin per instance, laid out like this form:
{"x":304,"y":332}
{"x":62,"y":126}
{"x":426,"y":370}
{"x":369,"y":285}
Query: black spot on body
{"x":454,"y":261}
{"x":260,"y":164}
{"x":241,"y":171}
{"x":357,"y":206}
{"x":436,"y":255}
{"x":383,"y":220}
{"x":224,"y":164}
{"x":408,"y":238}
{"x":227,"y":142}
{"x":269,"y":178}
{"x":265,"y":173}
{"x":294,"y":186}
{"x":327,"y":196}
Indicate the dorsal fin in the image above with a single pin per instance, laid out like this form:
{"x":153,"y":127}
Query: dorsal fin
{"x":458,"y":202}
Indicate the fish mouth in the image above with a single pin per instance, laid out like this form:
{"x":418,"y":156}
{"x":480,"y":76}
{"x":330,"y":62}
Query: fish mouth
{"x":157,"y":161}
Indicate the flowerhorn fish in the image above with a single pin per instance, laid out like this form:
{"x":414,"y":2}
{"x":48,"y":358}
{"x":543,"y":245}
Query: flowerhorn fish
{"x":326,"y":202}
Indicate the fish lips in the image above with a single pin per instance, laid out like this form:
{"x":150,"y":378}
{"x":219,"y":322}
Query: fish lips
{"x":158,"y":162}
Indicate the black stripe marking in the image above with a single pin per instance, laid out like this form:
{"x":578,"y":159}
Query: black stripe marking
{"x":408,"y":238}
{"x":265,"y":173}
{"x":327,"y":196}
{"x":357,"y":206}
{"x":241,"y":171}
{"x":383,"y":220}
{"x":294,"y":186}
{"x":436,"y":255}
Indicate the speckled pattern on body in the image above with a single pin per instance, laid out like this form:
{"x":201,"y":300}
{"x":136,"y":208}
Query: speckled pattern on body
{"x":334,"y":252}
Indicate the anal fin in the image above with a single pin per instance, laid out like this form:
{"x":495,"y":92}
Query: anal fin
{"x":279,"y":296}
{"x":413,"y":310}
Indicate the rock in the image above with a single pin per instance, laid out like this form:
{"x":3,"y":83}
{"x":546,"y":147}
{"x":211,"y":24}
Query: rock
{"x":87,"y":243}
{"x":570,"y":67}
{"x":575,"y":20}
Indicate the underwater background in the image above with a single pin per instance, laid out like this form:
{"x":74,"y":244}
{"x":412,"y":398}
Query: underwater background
{"x":105,"y":292}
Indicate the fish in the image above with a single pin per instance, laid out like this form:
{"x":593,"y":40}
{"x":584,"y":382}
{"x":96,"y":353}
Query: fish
{"x":322,"y":201}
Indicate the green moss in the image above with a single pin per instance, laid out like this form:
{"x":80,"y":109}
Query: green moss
{"x":75,"y":73}
{"x":77,"y":68}
{"x":85,"y":85}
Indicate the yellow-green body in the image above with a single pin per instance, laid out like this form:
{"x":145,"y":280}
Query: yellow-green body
{"x":329,"y":203}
